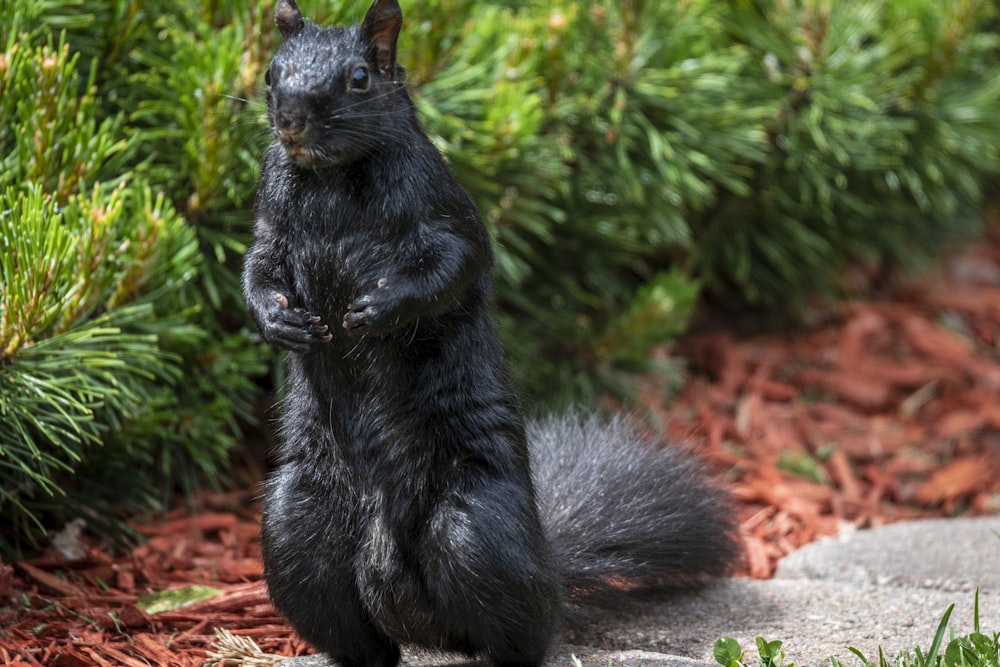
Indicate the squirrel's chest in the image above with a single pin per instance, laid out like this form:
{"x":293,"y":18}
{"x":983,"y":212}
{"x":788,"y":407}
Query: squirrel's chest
{"x":339,"y":252}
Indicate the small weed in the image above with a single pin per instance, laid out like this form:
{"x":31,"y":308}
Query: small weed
{"x":728,"y":653}
{"x":973,"y":650}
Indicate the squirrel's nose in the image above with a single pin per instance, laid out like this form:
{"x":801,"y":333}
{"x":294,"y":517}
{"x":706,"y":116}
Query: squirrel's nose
{"x":289,"y":123}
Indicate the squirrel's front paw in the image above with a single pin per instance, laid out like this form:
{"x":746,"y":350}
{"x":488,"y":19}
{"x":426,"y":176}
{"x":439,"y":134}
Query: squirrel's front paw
{"x":294,"y":329}
{"x":375,"y":313}
{"x":380,"y":311}
{"x":362,"y":316}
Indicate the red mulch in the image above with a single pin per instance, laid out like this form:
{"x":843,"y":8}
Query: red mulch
{"x":887,"y":411}
{"x":83,"y":613}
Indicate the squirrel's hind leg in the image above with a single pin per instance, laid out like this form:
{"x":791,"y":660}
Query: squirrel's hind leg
{"x":325,"y":612}
{"x":309,"y":568}
{"x":489,"y":574}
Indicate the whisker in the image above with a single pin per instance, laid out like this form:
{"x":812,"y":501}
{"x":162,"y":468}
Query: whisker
{"x":391,"y":91}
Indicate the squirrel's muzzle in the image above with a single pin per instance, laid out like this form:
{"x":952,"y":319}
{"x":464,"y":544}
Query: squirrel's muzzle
{"x":289,"y":124}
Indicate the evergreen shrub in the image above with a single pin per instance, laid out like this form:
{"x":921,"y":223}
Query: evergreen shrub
{"x":126,"y":371}
{"x":743,"y":150}
{"x":884,"y":133}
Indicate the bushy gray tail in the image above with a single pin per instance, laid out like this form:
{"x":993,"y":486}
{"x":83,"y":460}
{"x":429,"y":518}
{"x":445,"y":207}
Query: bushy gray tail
{"x":628,"y":519}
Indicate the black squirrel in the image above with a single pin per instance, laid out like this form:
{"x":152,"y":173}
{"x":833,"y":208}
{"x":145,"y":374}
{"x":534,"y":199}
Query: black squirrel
{"x":412,"y":504}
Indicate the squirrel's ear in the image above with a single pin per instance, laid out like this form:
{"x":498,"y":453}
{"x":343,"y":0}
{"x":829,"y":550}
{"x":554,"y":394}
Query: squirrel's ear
{"x":288,"y":17}
{"x":380,"y":31}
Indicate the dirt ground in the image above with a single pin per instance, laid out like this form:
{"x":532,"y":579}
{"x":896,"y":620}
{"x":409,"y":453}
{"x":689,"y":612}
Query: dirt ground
{"x":885,"y":411}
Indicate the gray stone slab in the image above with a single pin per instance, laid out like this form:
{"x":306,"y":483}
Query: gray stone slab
{"x":571,"y":656}
{"x":814,"y":619}
{"x":941,"y":554}
{"x":887,"y":587}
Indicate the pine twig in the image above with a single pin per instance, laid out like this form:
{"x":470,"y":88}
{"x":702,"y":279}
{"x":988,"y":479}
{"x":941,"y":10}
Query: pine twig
{"x":234,"y":651}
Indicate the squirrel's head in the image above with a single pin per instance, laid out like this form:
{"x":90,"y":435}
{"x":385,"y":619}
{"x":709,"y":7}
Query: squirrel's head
{"x":335,"y":94}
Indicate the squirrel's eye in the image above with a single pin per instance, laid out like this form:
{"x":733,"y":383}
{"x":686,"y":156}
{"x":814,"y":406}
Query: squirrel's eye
{"x":267,"y":78}
{"x":360,"y":80}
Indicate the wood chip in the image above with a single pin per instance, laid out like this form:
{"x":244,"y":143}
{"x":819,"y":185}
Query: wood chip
{"x":50,"y":582}
{"x":959,"y":478}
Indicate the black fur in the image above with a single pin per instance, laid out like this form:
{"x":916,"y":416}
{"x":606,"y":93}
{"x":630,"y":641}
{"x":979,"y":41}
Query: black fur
{"x":403,"y":509}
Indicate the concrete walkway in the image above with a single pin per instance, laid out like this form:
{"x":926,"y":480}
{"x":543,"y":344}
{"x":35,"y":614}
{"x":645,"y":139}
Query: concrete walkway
{"x":886,"y":587}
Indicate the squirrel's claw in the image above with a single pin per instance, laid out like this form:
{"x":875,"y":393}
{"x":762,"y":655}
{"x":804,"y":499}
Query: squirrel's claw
{"x":360,"y":316}
{"x":294,"y":329}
